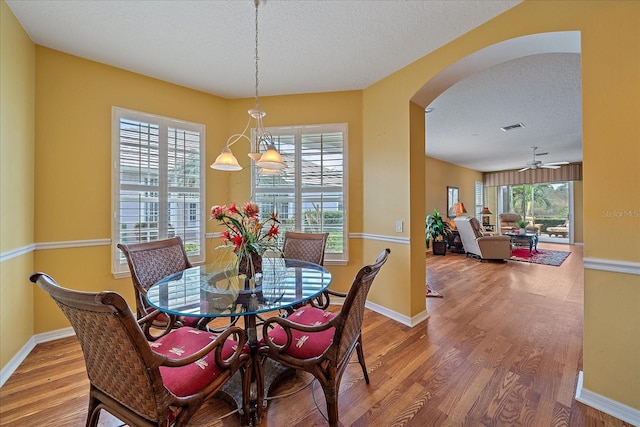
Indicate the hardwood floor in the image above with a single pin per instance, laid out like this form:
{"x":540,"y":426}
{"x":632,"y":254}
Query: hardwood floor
{"x":502,"y":348}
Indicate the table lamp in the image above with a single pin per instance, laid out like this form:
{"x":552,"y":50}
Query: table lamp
{"x":485,"y":216}
{"x":459,"y":209}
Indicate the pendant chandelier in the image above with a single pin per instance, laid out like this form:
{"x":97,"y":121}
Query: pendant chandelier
{"x":270,"y":162}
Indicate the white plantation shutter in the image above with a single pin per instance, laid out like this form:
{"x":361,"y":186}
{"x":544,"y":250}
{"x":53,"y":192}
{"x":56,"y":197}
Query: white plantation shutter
{"x":479,"y":193}
{"x":310,"y":194}
{"x":158,"y":182}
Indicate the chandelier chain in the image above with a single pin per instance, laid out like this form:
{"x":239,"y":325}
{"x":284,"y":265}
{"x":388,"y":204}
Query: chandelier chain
{"x":257,"y":3}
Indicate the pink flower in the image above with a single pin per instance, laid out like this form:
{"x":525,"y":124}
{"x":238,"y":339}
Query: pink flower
{"x":218,"y":212}
{"x":251,"y":209}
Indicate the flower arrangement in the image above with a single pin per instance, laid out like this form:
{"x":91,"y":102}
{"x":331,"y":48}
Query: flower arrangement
{"x":245,"y":231}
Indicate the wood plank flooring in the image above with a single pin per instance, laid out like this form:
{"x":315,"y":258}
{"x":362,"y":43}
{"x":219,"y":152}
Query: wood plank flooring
{"x":502,"y":348}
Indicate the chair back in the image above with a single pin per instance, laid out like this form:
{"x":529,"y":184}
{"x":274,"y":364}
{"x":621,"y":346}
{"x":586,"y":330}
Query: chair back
{"x":352,"y":312}
{"x":305,"y":246}
{"x":151,"y":261}
{"x":118,"y":358}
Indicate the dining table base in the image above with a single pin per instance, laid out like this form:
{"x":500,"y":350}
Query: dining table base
{"x":231,"y":393}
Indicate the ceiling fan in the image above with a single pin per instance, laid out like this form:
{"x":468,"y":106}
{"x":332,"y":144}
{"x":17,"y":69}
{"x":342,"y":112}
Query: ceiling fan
{"x":535,"y":164}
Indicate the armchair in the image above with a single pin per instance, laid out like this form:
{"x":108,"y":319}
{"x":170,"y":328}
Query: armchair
{"x":321,"y":342}
{"x":147,"y":384}
{"x":152,"y":261}
{"x":484,"y":247}
{"x":305,"y":246}
{"x":309,"y":247}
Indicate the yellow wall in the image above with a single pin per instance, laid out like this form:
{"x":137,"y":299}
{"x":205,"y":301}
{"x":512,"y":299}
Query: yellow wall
{"x":441,"y":174}
{"x":17,"y":109}
{"x":73,"y":192}
{"x":610,"y":88}
{"x":73,"y":163}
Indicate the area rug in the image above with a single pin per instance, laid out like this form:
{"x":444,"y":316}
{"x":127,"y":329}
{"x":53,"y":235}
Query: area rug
{"x":543,"y":256}
{"x":433,"y":293}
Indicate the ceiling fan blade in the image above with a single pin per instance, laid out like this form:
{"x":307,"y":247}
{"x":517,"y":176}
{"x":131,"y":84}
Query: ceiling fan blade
{"x":556,"y":163}
{"x":524,"y":169}
{"x":541,"y":154}
{"x":549,"y":166}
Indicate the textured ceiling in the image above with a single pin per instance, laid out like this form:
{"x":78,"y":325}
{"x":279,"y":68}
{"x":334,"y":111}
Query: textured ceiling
{"x":320,"y":46}
{"x":543,"y":92}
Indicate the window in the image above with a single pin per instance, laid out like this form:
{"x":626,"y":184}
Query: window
{"x":158,"y":182}
{"x":479,"y":200}
{"x":545,"y":205}
{"x":309,"y":196}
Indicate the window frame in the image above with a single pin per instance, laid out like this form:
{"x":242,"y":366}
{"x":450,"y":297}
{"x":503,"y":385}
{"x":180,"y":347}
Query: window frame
{"x":298,"y":131}
{"x":120,"y":268}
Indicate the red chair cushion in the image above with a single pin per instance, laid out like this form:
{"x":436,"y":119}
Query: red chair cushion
{"x":182,"y":342}
{"x":306,"y":345}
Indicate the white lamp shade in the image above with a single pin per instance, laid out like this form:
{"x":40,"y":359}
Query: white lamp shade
{"x":267,"y":171}
{"x":226,"y":161}
{"x":271,"y":159}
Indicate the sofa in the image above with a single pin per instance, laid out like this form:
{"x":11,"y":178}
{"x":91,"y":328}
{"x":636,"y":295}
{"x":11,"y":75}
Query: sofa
{"x":482,"y":246}
{"x":509,"y":223}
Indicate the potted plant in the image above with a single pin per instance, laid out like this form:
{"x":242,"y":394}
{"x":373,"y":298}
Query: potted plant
{"x":436,"y":231}
{"x":522,"y":224}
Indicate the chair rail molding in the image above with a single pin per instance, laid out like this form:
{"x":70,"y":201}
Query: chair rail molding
{"x":612,"y":265}
{"x":381,"y":238}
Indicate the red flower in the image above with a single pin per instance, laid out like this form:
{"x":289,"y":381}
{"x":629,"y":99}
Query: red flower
{"x":273,"y":232}
{"x":245,"y":230}
{"x":251,"y":209}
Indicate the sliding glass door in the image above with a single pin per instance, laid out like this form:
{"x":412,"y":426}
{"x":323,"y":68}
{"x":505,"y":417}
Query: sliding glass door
{"x":548,"y":206}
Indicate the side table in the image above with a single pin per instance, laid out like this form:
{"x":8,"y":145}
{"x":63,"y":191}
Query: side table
{"x":455,"y":243}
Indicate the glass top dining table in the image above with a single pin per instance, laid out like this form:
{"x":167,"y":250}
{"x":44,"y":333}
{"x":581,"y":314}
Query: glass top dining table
{"x":210,"y":291}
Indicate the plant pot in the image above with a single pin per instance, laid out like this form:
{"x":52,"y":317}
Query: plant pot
{"x":439,"y":247}
{"x":523,"y":231}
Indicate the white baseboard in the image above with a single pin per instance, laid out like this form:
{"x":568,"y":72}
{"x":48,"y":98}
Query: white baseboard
{"x":22,"y":354}
{"x":606,"y":405}
{"x":405,"y":320}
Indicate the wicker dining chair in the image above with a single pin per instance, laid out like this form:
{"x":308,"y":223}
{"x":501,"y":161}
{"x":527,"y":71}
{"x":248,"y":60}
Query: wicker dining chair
{"x":151,"y":261}
{"x":309,"y":247}
{"x":305,"y":246}
{"x":143,"y":383}
{"x":321,"y":342}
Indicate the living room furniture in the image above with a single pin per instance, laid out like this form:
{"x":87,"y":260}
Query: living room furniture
{"x":561,"y":230}
{"x":454,"y":242}
{"x":476,"y":243}
{"x":527,"y":239}
{"x":151,"y":261}
{"x":509,"y":223}
{"x":321,"y":342}
{"x":143,"y":384}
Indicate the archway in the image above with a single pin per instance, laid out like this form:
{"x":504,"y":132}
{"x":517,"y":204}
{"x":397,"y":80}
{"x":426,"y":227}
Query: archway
{"x":552,"y":42}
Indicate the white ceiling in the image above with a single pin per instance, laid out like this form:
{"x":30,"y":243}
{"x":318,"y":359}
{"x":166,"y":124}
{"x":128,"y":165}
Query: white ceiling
{"x":322,"y":46}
